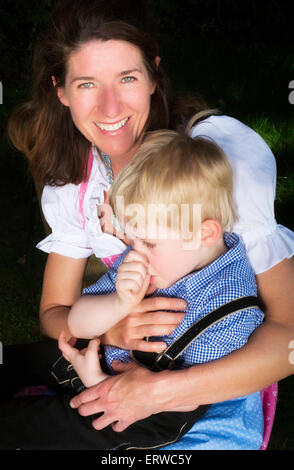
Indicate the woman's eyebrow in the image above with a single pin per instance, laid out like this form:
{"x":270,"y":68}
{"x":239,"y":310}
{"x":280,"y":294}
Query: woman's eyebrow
{"x":127,"y":72}
{"x":76,"y":79}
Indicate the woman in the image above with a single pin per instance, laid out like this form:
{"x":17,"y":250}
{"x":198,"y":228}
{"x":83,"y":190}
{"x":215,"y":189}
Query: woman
{"x":99,"y":82}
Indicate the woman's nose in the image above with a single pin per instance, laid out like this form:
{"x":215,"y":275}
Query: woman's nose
{"x":110,"y":103}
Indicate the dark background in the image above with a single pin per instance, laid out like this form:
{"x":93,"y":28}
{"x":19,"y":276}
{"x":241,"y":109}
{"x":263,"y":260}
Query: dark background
{"x":237,"y":54}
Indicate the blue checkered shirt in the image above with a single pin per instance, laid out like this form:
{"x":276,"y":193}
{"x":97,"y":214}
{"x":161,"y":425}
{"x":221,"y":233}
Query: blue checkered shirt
{"x":225,"y":279}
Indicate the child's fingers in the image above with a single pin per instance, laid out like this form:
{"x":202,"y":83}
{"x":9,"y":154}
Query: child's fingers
{"x":129,"y":285}
{"x":61,"y":339}
{"x":133,"y":271}
{"x":66,"y":349}
{"x":132,"y":267}
{"x":94,"y":345}
{"x":146,"y":282}
{"x":134,"y":255}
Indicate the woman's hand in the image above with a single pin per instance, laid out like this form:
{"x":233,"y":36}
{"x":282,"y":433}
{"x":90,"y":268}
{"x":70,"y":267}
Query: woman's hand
{"x":147,"y":320}
{"x":122,"y":398}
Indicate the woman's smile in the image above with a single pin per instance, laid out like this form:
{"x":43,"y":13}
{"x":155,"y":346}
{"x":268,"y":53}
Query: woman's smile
{"x":111,"y":127}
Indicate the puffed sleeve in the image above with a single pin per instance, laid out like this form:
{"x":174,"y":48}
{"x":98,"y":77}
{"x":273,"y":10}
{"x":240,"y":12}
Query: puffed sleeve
{"x":61,"y":211}
{"x":254,"y":171}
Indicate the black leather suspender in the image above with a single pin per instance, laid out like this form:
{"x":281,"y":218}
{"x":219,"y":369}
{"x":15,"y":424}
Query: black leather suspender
{"x":165,"y":360}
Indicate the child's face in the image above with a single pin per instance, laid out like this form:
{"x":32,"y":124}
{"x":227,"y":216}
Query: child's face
{"x":170,"y":257}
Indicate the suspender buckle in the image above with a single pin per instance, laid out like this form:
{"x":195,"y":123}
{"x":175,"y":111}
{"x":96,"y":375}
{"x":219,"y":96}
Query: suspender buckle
{"x":163,"y":361}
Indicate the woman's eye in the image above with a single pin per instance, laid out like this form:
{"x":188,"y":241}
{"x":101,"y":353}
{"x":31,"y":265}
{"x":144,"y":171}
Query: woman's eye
{"x":86,"y":85}
{"x":128,"y":79}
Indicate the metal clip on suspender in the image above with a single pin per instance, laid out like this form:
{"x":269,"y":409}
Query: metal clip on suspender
{"x":165,"y":360}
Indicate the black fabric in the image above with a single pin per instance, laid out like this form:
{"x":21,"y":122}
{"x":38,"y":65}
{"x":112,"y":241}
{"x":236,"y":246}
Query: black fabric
{"x":48,"y":423}
{"x":27,"y":364}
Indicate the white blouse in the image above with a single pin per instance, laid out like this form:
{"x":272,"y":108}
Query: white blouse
{"x":254,"y":169}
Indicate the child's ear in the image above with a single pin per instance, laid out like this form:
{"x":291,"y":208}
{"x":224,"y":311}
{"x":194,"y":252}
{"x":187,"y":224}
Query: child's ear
{"x":211,"y":231}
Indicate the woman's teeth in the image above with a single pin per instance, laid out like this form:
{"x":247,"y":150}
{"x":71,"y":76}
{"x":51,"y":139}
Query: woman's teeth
{"x":111,"y":127}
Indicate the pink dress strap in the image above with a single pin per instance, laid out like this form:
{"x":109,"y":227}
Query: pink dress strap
{"x":84,"y":185}
{"x":110,"y":260}
{"x":269,"y":402}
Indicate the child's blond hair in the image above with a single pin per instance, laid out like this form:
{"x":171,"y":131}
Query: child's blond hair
{"x":173,"y":171}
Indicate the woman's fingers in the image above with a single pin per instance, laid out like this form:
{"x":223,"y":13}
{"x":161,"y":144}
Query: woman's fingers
{"x":161,"y":303}
{"x":138,"y":326}
{"x":90,"y":395}
{"x":148,"y":346}
{"x":154,"y":319}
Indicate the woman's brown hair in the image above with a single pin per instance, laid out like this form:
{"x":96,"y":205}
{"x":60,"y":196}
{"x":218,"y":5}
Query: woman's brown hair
{"x":42,"y":128}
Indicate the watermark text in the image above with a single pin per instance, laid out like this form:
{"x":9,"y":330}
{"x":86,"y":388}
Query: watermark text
{"x":291,"y":94}
{"x":151,"y":221}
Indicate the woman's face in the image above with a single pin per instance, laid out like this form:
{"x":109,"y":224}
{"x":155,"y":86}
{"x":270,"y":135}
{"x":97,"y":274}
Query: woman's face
{"x":108,"y":91}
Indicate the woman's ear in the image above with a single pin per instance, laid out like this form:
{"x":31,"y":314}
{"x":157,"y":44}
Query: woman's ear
{"x":211,"y":231}
{"x":157,"y":61}
{"x":60,"y":92}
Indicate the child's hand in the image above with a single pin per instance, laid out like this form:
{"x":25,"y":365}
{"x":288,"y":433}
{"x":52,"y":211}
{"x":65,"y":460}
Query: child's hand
{"x":86,"y":362}
{"x":132,"y":279}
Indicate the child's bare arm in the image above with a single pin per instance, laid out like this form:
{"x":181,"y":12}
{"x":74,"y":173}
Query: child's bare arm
{"x":93,"y":315}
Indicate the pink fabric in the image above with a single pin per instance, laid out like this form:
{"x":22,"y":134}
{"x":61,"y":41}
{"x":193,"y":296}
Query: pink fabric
{"x":269,"y":402}
{"x":32,"y":390}
{"x":84,"y":185}
{"x":110,"y":260}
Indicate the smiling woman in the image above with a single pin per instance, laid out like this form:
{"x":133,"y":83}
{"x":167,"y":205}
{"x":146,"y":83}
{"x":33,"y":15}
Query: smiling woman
{"x":101,"y":71}
{"x":111,"y":104}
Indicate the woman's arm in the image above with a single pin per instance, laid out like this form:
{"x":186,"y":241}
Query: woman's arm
{"x":62,"y":286}
{"x":262,"y":361}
